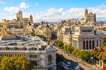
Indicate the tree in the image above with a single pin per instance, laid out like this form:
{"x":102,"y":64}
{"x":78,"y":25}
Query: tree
{"x":24,"y":62}
{"x":59,"y":44}
{"x":99,"y":53}
{"x":14,"y":63}
{"x":84,"y":55}
{"x":68,"y":48}
{"x":33,"y":32}
{"x":76,"y":52}
{"x":104,"y":42}
{"x":7,"y":64}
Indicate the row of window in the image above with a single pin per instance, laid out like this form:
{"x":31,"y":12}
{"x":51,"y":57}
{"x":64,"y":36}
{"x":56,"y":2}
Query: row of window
{"x":6,"y":48}
{"x":10,"y":55}
{"x":90,"y":44}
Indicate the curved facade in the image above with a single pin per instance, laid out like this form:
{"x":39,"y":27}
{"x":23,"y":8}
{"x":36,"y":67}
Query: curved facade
{"x":42,"y":55}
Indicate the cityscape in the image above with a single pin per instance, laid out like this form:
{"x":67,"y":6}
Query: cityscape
{"x":59,"y":39}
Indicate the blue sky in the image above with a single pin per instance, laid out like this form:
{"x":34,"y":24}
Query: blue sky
{"x":52,"y":9}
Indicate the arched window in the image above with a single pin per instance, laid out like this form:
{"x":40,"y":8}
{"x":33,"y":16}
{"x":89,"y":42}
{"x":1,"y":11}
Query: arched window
{"x":93,"y":44}
{"x":87,"y":45}
{"x":97,"y":43}
{"x":90,"y":44}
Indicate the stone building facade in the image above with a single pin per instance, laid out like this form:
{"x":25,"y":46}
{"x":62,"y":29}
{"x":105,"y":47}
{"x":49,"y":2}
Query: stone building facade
{"x":38,"y":52}
{"x":21,"y":25}
{"x":84,"y":37}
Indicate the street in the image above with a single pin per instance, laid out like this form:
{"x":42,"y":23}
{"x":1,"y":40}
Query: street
{"x":83,"y":64}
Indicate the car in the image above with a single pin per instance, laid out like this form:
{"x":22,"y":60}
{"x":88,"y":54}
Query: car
{"x":78,"y":67}
{"x":67,"y":63}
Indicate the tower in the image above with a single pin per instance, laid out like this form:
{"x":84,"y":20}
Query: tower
{"x":19,"y":17}
{"x":89,"y":18}
{"x":86,"y":13}
{"x":31,"y":18}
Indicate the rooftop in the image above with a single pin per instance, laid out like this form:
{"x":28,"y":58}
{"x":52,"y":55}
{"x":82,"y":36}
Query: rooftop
{"x":22,"y":41}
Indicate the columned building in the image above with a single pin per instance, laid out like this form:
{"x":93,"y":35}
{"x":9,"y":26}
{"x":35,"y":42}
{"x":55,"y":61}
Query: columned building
{"x":84,"y":37}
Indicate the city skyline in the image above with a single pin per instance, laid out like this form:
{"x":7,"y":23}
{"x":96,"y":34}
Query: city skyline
{"x":52,"y":10}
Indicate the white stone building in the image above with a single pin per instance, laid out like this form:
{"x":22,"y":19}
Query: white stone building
{"x":34,"y":49}
{"x":84,"y":37}
{"x":64,"y":34}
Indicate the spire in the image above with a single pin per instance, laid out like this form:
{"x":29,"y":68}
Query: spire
{"x":19,"y":15}
{"x":31,"y":18}
{"x":86,"y":12}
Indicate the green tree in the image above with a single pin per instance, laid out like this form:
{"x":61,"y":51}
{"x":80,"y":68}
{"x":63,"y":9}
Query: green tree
{"x":76,"y":52}
{"x":104,"y":42}
{"x":33,"y":32}
{"x":59,"y":44}
{"x":84,"y":55}
{"x":68,"y":48}
{"x":7,"y":64}
{"x":14,"y":63}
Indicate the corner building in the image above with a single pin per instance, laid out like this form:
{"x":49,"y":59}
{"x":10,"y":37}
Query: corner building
{"x":42,"y":55}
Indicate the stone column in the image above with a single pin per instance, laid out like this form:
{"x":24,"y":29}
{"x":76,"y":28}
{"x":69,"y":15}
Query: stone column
{"x":95,"y":43}
{"x":99,"y":42}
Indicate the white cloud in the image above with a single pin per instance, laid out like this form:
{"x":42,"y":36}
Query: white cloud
{"x":60,"y":13}
{"x":23,"y":5}
{"x":11,"y":9}
{"x":100,"y":11}
{"x":55,"y":14}
{"x":14,"y":9}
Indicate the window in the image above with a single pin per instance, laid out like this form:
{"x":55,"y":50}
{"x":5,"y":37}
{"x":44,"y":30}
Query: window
{"x":88,"y":30}
{"x":49,"y":59}
{"x":50,"y":68}
{"x":93,"y":44}
{"x":83,"y":44}
{"x":32,"y":48}
{"x":97,"y":43}
{"x":90,"y":44}
{"x":87,"y":45}
{"x":33,"y":56}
